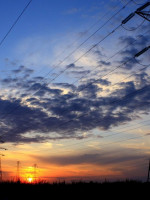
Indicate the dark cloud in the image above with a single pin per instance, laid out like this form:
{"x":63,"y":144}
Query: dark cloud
{"x":92,"y":159}
{"x":49,"y":113}
{"x":83,"y":113}
{"x":65,"y":85}
{"x":42,"y":89}
{"x":105,"y":63}
{"x":78,"y":74}
{"x":104,"y":82}
{"x":23,"y":69}
{"x":133,"y":46}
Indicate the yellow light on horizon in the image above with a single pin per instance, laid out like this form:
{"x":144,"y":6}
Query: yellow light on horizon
{"x":30,"y":180}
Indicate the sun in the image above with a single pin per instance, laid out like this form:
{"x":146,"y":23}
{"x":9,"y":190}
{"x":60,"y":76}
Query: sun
{"x":30,"y":180}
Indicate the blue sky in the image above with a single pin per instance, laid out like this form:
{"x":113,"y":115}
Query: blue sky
{"x":83,"y":104}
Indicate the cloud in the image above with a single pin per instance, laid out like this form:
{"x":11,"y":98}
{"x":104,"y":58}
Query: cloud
{"x":108,"y":159}
{"x":105,"y":63}
{"x":133,"y":47}
{"x":54,"y":115}
{"x":32,"y":110}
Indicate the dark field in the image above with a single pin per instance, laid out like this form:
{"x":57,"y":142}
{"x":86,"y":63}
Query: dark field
{"x":92,"y":190}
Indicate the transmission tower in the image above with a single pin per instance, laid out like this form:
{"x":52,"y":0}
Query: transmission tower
{"x":144,"y":13}
{"x":35,"y":172}
{"x":148,"y":176}
{"x":18,"y":171}
{"x":1,"y":175}
{"x":141,"y":12}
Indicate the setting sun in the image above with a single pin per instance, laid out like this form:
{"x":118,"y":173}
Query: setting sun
{"x":30,"y":180}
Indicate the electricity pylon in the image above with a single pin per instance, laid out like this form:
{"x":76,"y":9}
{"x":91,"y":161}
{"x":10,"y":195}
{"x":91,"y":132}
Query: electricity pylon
{"x":35,"y":172}
{"x":148,"y":176}
{"x":1,"y":175}
{"x":141,"y":12}
{"x":145,"y":14}
{"x":18,"y":171}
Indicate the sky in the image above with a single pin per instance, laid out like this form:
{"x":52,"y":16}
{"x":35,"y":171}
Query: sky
{"x":73,"y":98}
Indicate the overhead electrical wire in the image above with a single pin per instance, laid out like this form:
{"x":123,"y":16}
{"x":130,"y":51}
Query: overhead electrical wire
{"x":97,"y":81}
{"x":62,"y":52}
{"x":47,"y":74}
{"x":133,"y":1}
{"x":106,"y":136}
{"x":86,"y":87}
{"x":131,"y":43}
{"x":85,"y":52}
{"x":110,"y":143}
{"x":54,"y":79}
{"x":139,"y":4}
{"x":112,"y":102}
{"x":70,"y":54}
{"x":109,"y":104}
{"x":82,"y":54}
{"x":86,"y":31}
{"x":135,"y":28}
{"x":15,"y":22}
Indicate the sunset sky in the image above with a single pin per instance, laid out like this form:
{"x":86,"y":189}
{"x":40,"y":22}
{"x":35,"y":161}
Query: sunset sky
{"x":73,"y":99}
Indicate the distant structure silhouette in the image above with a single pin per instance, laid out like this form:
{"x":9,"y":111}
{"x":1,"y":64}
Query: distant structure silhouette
{"x":148,"y":176}
{"x":1,"y":174}
{"x":1,"y":178}
{"x":35,"y":172}
{"x":18,"y":171}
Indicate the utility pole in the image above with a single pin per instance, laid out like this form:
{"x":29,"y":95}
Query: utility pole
{"x":18,"y":171}
{"x":1,"y":175}
{"x":148,"y":176}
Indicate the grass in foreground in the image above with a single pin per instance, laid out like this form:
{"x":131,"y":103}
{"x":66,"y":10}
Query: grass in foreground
{"x":93,"y":190}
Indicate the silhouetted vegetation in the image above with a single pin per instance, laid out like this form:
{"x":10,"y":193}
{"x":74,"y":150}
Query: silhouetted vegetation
{"x":93,"y":190}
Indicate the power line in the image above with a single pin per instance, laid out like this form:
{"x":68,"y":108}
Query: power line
{"x":82,"y":89}
{"x":107,"y":132}
{"x":97,"y":81}
{"x":76,"y":41}
{"x":86,"y":31}
{"x":81,"y":45}
{"x":133,"y":1}
{"x":112,"y":134}
{"x":82,"y":54}
{"x":139,"y":4}
{"x":86,"y":53}
{"x":131,"y":43}
{"x":133,"y":29}
{"x":123,"y":22}
{"x":106,"y":136}
{"x":87,"y":40}
{"x":115,"y":101}
{"x":15,"y":22}
{"x":114,"y":142}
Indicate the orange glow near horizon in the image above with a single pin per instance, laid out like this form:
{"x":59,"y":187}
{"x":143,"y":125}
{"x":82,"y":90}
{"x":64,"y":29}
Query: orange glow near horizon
{"x":28,"y":175}
{"x":54,"y":171}
{"x":30,"y":180}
